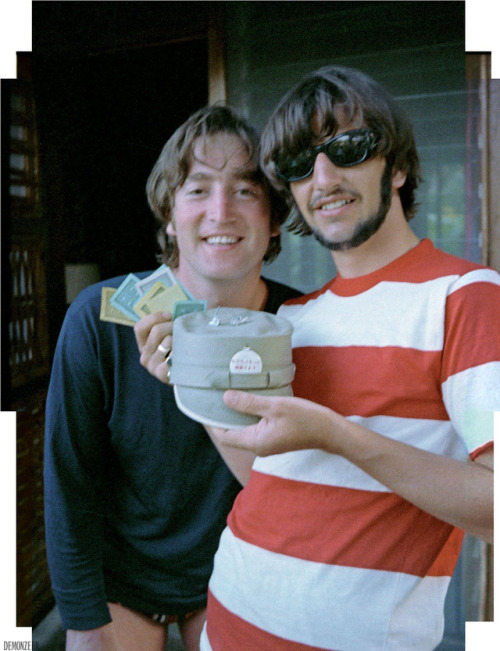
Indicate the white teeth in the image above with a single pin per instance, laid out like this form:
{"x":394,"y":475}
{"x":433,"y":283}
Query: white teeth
{"x":222,"y":239}
{"x":334,"y":204}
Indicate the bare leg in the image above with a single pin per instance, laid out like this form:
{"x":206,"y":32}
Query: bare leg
{"x":191,"y":630}
{"x":137,"y":632}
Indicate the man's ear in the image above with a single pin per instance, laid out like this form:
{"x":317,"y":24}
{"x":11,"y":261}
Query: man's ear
{"x":170,"y":230}
{"x":398,"y":179}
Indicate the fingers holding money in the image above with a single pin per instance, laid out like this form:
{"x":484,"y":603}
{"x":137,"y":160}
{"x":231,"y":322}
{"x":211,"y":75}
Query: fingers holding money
{"x":153,"y":334}
{"x":151,"y":330}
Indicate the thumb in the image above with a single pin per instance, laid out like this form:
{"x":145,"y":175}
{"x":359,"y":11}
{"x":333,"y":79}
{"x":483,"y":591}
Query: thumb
{"x":247,"y":403}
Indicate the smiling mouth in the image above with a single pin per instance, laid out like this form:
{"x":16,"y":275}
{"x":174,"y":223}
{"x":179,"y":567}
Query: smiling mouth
{"x":336,"y":204}
{"x":221,"y":240}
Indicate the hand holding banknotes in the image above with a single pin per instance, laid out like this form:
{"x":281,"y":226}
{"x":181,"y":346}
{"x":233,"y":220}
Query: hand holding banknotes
{"x":153,"y":334}
{"x":158,"y":299}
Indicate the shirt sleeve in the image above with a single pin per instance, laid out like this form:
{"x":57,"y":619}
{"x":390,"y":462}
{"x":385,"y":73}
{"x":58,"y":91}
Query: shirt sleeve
{"x":75,"y":452}
{"x":471,"y":356}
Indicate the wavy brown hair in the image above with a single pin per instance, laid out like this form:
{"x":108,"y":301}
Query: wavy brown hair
{"x":173,"y":165}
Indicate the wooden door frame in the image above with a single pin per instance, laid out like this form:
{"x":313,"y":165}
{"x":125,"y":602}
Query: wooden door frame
{"x":217,"y":90}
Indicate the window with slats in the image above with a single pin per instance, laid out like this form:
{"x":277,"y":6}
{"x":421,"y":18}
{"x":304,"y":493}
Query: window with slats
{"x":29,"y":356}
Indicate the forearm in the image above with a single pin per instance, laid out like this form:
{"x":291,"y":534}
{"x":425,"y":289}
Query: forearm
{"x":238,"y":461}
{"x":460,"y":493}
{"x":74,"y":538}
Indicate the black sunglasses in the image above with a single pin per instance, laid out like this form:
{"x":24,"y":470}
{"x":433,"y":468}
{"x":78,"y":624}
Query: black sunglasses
{"x":344,"y":150}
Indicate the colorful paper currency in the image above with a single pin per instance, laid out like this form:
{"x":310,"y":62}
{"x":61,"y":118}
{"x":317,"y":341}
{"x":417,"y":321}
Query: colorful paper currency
{"x":159,"y":299}
{"x":126,"y":296}
{"x":111,"y":313}
{"x":185,"y":307}
{"x":135,"y":298}
{"x":162,"y":274}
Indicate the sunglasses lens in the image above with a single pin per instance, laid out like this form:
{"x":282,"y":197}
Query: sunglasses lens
{"x":292,"y":169}
{"x":350,"y":148}
{"x":345,"y":150}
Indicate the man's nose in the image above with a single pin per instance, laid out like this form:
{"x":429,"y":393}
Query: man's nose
{"x":325,"y":173}
{"x":221,"y":208}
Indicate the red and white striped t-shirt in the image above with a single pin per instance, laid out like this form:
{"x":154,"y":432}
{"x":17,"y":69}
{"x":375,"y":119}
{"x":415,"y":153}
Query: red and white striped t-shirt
{"x":319,"y":555}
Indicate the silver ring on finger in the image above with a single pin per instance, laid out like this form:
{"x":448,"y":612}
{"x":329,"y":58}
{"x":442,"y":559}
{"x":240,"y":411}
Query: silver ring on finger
{"x":164,"y":351}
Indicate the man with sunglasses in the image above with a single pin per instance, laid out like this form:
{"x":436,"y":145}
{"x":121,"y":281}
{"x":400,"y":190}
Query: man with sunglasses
{"x":348,"y":531}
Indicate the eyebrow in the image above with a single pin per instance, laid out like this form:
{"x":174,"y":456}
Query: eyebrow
{"x":252,"y":176}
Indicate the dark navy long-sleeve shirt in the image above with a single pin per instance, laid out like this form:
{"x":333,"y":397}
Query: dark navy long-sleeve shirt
{"x":136,"y":495}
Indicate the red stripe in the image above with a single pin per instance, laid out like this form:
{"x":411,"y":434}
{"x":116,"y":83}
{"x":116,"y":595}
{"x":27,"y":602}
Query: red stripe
{"x":479,"y":451}
{"x":422,"y":264}
{"x":369,"y":381}
{"x":448,"y":557}
{"x":228,"y":632}
{"x":341,"y":526}
{"x":471,"y":342}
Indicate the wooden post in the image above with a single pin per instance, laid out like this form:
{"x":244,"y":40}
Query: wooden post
{"x":216,"y":50}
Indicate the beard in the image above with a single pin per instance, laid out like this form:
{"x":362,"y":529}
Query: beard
{"x":370,"y":226}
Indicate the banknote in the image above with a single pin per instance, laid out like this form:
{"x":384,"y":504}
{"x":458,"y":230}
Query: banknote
{"x":156,"y":290}
{"x":162,"y":274}
{"x":188,"y":294}
{"x":160,"y":299}
{"x":135,"y":298}
{"x":126,"y":296}
{"x":185,"y":307}
{"x":109,"y":312}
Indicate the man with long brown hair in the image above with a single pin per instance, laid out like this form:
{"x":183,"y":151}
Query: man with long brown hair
{"x":136,"y":495}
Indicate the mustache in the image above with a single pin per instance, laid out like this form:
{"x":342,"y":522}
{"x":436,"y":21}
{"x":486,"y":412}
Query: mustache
{"x":338,"y":191}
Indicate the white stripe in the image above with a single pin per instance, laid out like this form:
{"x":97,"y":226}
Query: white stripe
{"x":476,"y":276}
{"x":292,"y":599}
{"x":204,"y":641}
{"x":319,"y":467}
{"x":472,"y":396}
{"x":408,"y":315}
{"x":290,"y":311}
